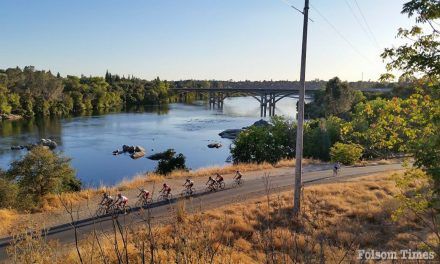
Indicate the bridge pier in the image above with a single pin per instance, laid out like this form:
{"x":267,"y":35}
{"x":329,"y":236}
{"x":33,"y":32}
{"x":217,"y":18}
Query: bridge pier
{"x":267,"y":102}
{"x":272,"y":104}
{"x":262,"y":105}
{"x":183,"y":97}
{"x":216,"y":99}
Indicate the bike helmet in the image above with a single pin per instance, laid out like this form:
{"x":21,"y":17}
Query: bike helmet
{"x":119,"y":194}
{"x":105,"y":195}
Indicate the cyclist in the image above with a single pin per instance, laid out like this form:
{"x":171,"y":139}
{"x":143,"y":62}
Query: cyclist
{"x":144,"y":194}
{"x":122,"y":201}
{"x":238,"y":176}
{"x":166,"y":190}
{"x":336,"y":168}
{"x":189,"y":184}
{"x":210,"y":183}
{"x":218,"y":178}
{"x":106,"y":201}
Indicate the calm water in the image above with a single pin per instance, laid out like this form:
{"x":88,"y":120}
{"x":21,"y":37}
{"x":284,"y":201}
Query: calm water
{"x":90,"y":140}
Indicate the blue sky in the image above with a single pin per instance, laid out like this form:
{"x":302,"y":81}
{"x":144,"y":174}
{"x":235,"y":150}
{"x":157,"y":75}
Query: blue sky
{"x":195,"y":39}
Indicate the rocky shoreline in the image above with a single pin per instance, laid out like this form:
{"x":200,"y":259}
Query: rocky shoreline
{"x":10,"y":117}
{"x":45,"y":142}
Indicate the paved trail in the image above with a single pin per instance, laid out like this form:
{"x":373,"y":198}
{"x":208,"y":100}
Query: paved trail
{"x":254,"y":186}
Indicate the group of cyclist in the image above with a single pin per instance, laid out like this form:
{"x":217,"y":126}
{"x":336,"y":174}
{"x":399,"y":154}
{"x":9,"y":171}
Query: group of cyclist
{"x":121,"y":201}
{"x":108,"y":201}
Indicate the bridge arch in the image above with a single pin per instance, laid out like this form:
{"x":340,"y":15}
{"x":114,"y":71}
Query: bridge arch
{"x":267,"y":98}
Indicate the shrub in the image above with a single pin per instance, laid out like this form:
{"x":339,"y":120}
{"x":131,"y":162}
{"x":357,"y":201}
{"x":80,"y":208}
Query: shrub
{"x":42,"y":172}
{"x":319,"y":137}
{"x":8,"y":192}
{"x":169,"y":164}
{"x":278,"y":141}
{"x":266,"y":143}
{"x":346,"y":154}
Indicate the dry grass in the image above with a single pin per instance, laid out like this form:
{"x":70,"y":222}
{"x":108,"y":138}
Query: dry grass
{"x":7,"y":219}
{"x":337,"y":220}
{"x":384,"y":162}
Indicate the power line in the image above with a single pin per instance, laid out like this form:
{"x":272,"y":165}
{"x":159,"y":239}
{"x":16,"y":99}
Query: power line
{"x":366,"y":23}
{"x":359,"y":21}
{"x":340,"y":34}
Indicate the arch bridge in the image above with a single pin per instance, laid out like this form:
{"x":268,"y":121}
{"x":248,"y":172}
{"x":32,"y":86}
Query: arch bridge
{"x":268,"y":98}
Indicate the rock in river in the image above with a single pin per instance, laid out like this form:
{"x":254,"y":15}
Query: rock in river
{"x":261,"y":122}
{"x":129,"y":149}
{"x":136,"y":152}
{"x":17,"y":147}
{"x":214,"y":145}
{"x":48,"y":143}
{"x":230,"y":133}
{"x":137,"y":155}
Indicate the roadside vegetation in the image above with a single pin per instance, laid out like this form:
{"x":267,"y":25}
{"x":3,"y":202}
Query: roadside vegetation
{"x":337,"y":219}
{"x":40,"y":173}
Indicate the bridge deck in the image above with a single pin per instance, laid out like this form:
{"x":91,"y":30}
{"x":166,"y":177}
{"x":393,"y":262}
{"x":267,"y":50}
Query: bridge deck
{"x":267,"y":90}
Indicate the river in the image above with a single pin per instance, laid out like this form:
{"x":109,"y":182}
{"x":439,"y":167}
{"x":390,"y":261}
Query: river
{"x":90,"y":140}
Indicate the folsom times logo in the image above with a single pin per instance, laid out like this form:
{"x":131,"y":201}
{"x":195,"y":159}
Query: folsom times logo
{"x":406,"y":254}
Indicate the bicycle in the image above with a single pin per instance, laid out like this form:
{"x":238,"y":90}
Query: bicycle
{"x":220,"y":185}
{"x":122,"y":210}
{"x":336,"y":171}
{"x":165,"y":197}
{"x":238,"y":182}
{"x":142,"y":202}
{"x":187,"y":192}
{"x":104,"y":210}
{"x":211,"y":188}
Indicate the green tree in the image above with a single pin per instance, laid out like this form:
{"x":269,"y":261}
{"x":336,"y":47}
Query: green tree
{"x":420,"y":55}
{"x":347,"y":154}
{"x":266,"y":143}
{"x":5,"y":107}
{"x":27,"y":104}
{"x":42,"y":172}
{"x":337,"y":99}
{"x":158,"y":93}
{"x":386,"y":127}
{"x":320,"y":135}
{"x":167,"y":164}
{"x":14,"y":102}
{"x":8,"y":191}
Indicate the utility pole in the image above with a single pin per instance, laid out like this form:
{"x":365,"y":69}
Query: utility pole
{"x":300,"y":125}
